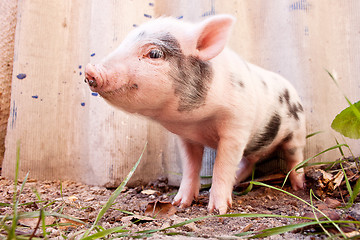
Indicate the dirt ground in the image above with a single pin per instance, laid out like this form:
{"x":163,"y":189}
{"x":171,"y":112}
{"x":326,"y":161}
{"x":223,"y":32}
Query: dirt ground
{"x":84,"y":202}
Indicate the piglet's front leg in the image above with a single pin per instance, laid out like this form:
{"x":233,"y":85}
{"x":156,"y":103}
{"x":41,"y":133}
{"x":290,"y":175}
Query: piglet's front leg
{"x":228,"y":155}
{"x":191,"y":156}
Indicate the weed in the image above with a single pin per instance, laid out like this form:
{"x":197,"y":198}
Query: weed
{"x":348,"y":121}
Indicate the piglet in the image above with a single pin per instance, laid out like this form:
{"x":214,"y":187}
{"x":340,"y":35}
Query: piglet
{"x":183,"y":76}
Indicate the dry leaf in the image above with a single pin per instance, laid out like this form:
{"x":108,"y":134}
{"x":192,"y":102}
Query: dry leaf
{"x":326,"y":177}
{"x":332,"y":203}
{"x":32,"y":222}
{"x":247,"y":228}
{"x":73,"y":198}
{"x":68,"y":224}
{"x":190,"y":227}
{"x":160,"y":209}
{"x":338,"y":179}
{"x":332,"y":214}
{"x":352,"y":234}
{"x":149,"y":192}
{"x":137,"y":219}
{"x":73,"y":201}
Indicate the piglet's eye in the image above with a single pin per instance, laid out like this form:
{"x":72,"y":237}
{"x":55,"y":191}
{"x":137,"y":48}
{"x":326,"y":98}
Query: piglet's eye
{"x":155,"y":53}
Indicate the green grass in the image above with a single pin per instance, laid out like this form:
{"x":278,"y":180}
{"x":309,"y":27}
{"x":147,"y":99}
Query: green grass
{"x":109,"y":203}
{"x":347,"y":122}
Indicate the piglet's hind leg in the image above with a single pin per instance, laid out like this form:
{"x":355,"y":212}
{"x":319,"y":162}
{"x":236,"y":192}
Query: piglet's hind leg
{"x":244,"y":170}
{"x":293,"y":150}
{"x":297,"y":177}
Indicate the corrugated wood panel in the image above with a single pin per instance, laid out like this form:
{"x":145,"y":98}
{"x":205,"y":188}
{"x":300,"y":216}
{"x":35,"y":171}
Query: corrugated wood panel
{"x":117,"y":138}
{"x":8,"y":9}
{"x":46,"y":108}
{"x":68,"y":133}
{"x":299,"y":40}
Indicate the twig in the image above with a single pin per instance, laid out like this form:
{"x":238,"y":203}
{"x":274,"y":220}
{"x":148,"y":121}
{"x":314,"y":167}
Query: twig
{"x":37,"y":225}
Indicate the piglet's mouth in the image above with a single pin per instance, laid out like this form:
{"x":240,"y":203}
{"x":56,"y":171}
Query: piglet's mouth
{"x":98,"y":80}
{"x":126,"y":88}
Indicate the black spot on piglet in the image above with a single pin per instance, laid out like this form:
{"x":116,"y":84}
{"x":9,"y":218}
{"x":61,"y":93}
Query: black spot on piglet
{"x":281,"y":99}
{"x":293,"y":111}
{"x":191,"y":75}
{"x":267,"y":137}
{"x":235,"y":80}
{"x":191,"y":80}
{"x":293,"y":108}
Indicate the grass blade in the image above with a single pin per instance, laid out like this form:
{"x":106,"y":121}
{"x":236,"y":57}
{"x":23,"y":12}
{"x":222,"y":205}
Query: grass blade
{"x":249,"y":188}
{"x":340,"y":149}
{"x":175,"y":225}
{"x":43,"y":224}
{"x":261,"y":215}
{"x":246,"y":215}
{"x":346,"y":181}
{"x":292,"y":227}
{"x":317,"y":219}
{"x":283,"y":229}
{"x":313,"y":134}
{"x":36,"y":214}
{"x":344,"y":123}
{"x":12,"y":234}
{"x":302,"y":200}
{"x":22,"y":186}
{"x":106,"y":232}
{"x":356,"y":112}
{"x":354,"y":193}
{"x":115,"y":194}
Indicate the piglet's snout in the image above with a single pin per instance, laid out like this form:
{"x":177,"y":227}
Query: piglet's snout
{"x":93,"y":77}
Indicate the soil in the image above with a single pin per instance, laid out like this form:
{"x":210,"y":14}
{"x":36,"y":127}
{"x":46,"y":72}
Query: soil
{"x":84,"y":202}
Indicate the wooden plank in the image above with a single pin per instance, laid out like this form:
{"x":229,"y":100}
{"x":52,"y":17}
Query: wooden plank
{"x":8,"y":12}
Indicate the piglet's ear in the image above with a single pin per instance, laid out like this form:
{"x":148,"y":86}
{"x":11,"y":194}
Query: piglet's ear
{"x":213,"y":34}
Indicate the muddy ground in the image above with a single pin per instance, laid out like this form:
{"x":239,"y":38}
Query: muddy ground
{"x":84,"y":202}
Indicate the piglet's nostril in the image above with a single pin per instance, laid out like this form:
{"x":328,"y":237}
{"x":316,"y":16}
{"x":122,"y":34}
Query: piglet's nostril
{"x":94,"y":76}
{"x":92,"y":83}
